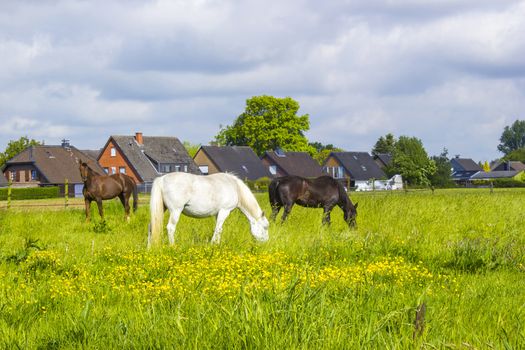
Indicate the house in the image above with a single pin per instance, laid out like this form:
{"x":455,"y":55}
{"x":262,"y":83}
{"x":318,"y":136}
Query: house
{"x":463,"y":169}
{"x":145,"y":157}
{"x":509,"y":166}
{"x":355,"y":168}
{"x":48,"y":166}
{"x":281,"y":163}
{"x":518,"y":175}
{"x":383,"y":159}
{"x":239,"y":160}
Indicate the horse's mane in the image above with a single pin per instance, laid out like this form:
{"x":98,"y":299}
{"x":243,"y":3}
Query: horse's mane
{"x":246,"y":199}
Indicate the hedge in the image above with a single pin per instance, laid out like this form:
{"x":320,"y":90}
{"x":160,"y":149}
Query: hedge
{"x":30,"y":193}
{"x":499,"y":183}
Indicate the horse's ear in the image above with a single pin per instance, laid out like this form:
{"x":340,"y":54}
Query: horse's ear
{"x":356,"y":204}
{"x":263,"y":214}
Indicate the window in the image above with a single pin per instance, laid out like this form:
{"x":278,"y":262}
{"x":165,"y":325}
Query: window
{"x":13,"y":176}
{"x":165,"y":168}
{"x":106,"y":170}
{"x":204,"y":169}
{"x":177,"y":168}
{"x":185,"y":168}
{"x":273,"y":169}
{"x":339,"y":172}
{"x":122,"y":169}
{"x":363,"y":167}
{"x":113,"y":152}
{"x":34,"y":175}
{"x":113,"y":170}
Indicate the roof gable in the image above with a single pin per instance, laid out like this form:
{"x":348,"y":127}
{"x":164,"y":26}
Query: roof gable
{"x":239,"y":160}
{"x":55,"y":163}
{"x":145,"y":158}
{"x":295,"y":163}
{"x":360,"y":165}
{"x":464,"y":164}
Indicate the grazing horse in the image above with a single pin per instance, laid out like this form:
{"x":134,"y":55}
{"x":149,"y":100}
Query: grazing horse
{"x":322,"y":192}
{"x":100,"y":187}
{"x":201,"y":196}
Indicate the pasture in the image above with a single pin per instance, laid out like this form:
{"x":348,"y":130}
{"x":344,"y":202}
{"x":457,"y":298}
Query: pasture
{"x":66,"y":283}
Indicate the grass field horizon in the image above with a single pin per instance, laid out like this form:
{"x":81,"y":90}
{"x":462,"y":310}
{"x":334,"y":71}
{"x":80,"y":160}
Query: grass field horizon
{"x":71,"y":284}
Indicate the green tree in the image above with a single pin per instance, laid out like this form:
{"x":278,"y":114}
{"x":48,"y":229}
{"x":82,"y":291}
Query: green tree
{"x":513,"y":137}
{"x":486,"y":167}
{"x":385,"y":144}
{"x":411,"y":161}
{"x":192,"y":148}
{"x":321,"y":151}
{"x":16,"y":146}
{"x":442,"y":176}
{"x":268,"y":123}
{"x":517,"y":154}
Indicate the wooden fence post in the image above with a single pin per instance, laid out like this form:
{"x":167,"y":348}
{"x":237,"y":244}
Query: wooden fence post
{"x":66,"y":192}
{"x":9,"y":185}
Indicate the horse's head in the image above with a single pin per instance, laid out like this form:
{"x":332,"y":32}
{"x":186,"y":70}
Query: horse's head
{"x":84,"y":170}
{"x":259,"y":228}
{"x":351,"y":215}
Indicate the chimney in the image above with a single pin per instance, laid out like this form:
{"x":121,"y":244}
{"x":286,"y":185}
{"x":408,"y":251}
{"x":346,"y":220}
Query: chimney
{"x":138,"y":138}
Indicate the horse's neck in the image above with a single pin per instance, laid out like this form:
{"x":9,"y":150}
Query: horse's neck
{"x":247,"y":202}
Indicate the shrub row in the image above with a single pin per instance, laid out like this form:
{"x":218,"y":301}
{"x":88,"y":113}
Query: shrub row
{"x":499,"y":183}
{"x":31,"y":193}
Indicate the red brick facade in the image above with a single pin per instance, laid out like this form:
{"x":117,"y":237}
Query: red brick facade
{"x":114,"y":162}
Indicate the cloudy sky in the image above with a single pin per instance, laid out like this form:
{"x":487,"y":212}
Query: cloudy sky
{"x":450,"y":72}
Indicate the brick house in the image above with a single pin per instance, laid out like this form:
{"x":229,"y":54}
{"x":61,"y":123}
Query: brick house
{"x":239,"y":160}
{"x":145,"y":157}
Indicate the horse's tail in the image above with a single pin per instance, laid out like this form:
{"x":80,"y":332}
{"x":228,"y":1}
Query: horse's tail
{"x":135,"y":196}
{"x":156,"y":212}
{"x":272,"y":192}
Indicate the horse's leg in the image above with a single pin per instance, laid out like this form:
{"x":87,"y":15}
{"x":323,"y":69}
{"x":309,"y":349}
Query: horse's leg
{"x":287,"y":208}
{"x":221,"y":216}
{"x":326,"y":214}
{"x":124,"y":198}
{"x":275,"y":211}
{"x":100,"y":211}
{"x":87,"y":204}
{"x":172,"y":224}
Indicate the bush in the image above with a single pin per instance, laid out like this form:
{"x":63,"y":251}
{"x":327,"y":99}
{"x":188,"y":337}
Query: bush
{"x":30,"y":193}
{"x":259,"y":185}
{"x":499,"y":183}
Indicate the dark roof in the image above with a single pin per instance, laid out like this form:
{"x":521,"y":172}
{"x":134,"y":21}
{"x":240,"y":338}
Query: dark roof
{"x":464,"y":164}
{"x":239,"y":160}
{"x":509,"y":165}
{"x":360,"y":165}
{"x":495,"y":174}
{"x":55,"y":163}
{"x":463,"y":175}
{"x":295,"y":163}
{"x":385,"y":158}
{"x":154,"y":150}
{"x":91,"y":153}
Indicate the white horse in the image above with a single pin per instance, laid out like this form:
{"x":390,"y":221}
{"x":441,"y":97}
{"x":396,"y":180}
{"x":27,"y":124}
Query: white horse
{"x":201,"y":196}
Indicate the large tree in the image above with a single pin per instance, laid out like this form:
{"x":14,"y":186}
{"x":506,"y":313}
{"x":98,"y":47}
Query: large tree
{"x":268,"y":123}
{"x":322,"y":151}
{"x":385,"y":144}
{"x":513,"y":137}
{"x":517,"y":154}
{"x":411,"y":161}
{"x":16,"y":146}
{"x":442,"y":176}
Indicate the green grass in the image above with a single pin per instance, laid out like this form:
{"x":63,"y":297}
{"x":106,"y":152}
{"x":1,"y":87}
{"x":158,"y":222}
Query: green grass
{"x":66,"y":283}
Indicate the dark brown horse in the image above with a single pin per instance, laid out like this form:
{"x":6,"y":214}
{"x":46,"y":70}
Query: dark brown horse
{"x":100,"y":187}
{"x":323,"y":192}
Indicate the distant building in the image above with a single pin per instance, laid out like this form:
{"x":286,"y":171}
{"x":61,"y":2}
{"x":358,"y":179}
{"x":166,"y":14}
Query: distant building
{"x":49,"y":166}
{"x":281,"y":163}
{"x":145,"y":157}
{"x":355,"y":168}
{"x":509,"y":166}
{"x":518,"y":175}
{"x":3,"y":180}
{"x":239,"y":160}
{"x":463,"y":169}
{"x":383,"y":160}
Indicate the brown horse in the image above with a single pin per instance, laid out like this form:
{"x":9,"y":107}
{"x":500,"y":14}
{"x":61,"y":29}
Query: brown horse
{"x":100,"y":187}
{"x":322,"y":192}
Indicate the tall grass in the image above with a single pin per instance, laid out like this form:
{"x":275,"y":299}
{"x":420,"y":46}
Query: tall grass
{"x":66,"y":283}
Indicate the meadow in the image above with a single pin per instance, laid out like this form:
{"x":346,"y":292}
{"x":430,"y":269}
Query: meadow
{"x":66,"y":283}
